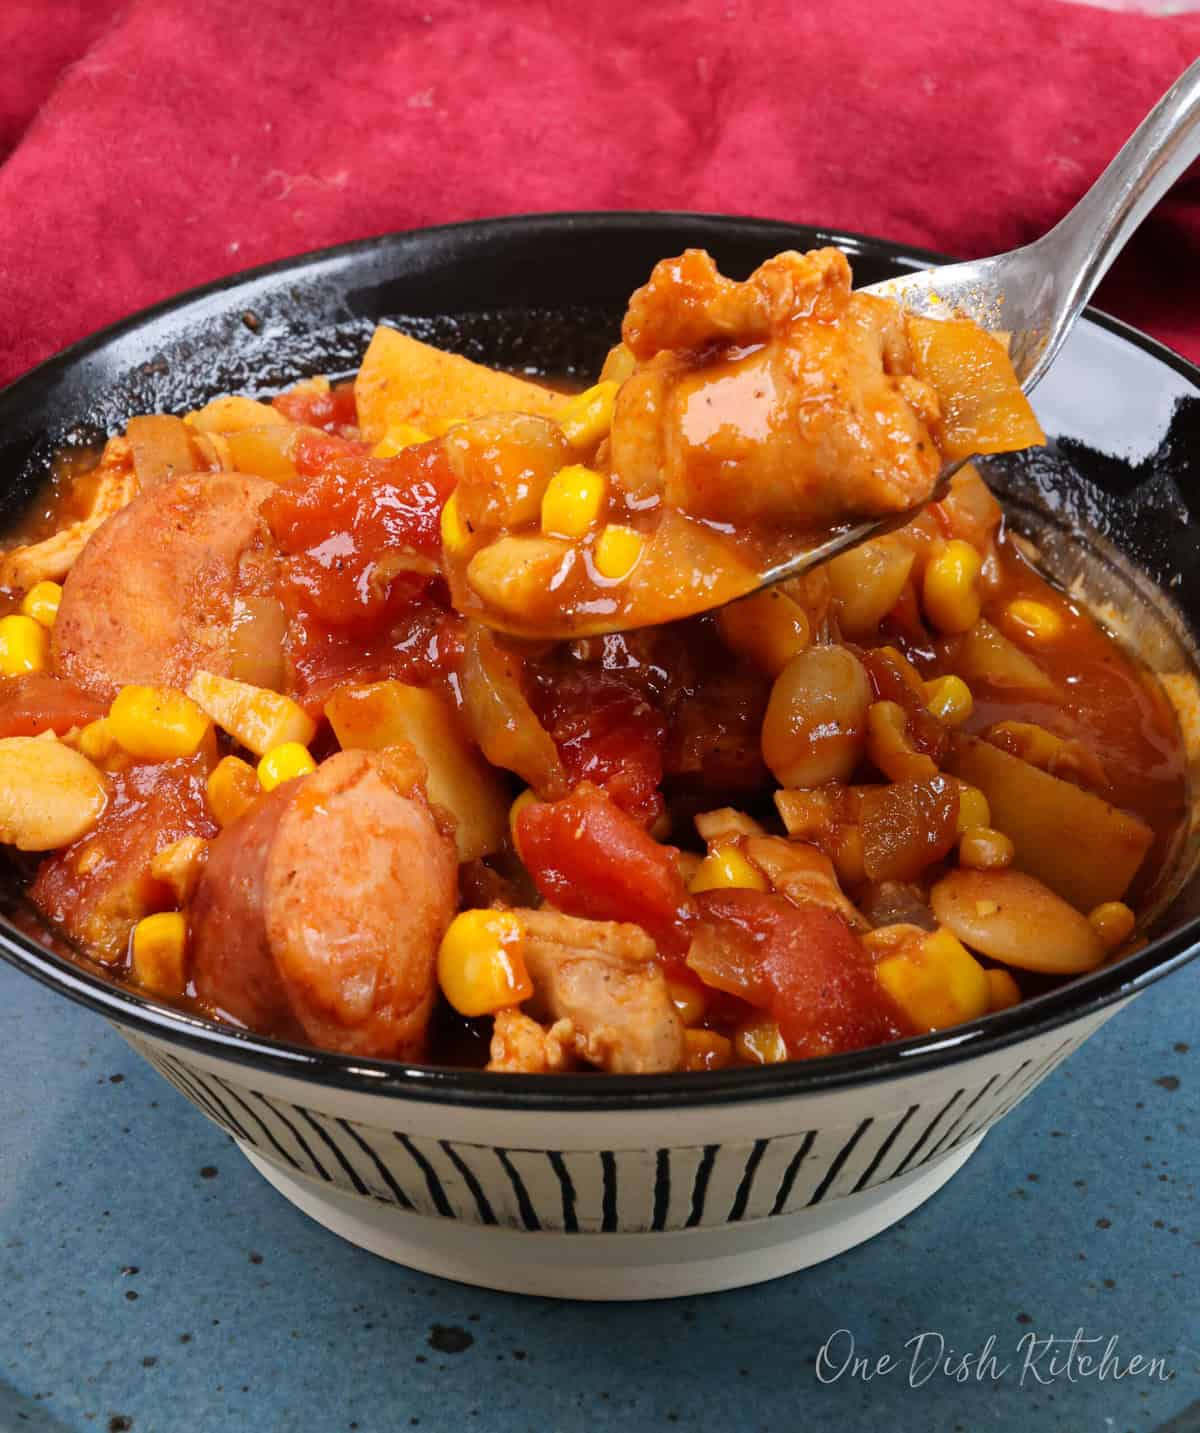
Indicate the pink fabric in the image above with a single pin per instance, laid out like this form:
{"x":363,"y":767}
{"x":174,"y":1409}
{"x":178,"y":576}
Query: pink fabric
{"x":155,"y":144}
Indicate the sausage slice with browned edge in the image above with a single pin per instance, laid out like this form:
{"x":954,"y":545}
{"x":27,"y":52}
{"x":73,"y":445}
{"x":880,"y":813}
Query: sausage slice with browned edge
{"x":319,"y":914}
{"x":152,"y":597}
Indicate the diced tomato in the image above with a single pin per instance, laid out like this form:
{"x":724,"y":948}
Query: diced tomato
{"x":607,"y":733}
{"x":422,"y":647}
{"x":97,"y":888}
{"x":803,"y":964}
{"x":38,"y":702}
{"x":361,"y":534}
{"x":329,"y":410}
{"x":591,"y":859}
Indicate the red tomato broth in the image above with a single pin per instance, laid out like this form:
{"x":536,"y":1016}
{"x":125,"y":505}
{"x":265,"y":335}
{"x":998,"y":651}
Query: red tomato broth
{"x":38,"y":702}
{"x":1108,"y":700}
{"x":95,"y":888}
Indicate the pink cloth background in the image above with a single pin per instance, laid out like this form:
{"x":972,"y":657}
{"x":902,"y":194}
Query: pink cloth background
{"x":151,"y":145}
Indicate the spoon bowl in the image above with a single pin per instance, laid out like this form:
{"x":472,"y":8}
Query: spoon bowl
{"x":1033,"y":295}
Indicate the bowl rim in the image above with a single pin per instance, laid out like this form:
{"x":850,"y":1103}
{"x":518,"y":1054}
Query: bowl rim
{"x":1087,"y":995}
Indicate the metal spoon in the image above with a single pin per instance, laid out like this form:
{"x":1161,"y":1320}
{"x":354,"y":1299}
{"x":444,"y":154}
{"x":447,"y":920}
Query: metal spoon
{"x":1036,"y":292}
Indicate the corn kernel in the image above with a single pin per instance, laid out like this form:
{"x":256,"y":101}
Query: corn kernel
{"x":1003,"y":990}
{"x":769,"y":628}
{"x":725,"y":868}
{"x":455,"y":533}
{"x":951,"y":587}
{"x":572,"y":501}
{"x":617,"y":552}
{"x":159,"y":951}
{"x":984,"y":849}
{"x":1040,"y":622}
{"x":232,"y":789}
{"x":398,"y":437}
{"x":759,"y":1042}
{"x":689,"y":1001}
{"x":41,"y":602}
{"x":24,"y":646}
{"x":527,"y":798}
{"x":973,"y":809}
{"x":949,"y":699}
{"x":1113,"y":922}
{"x":706,"y":1050}
{"x":257,"y":718}
{"x":936,"y":983}
{"x":179,"y":865}
{"x":480,"y":966}
{"x":284,"y":763}
{"x":587,"y":417}
{"x":157,"y":723}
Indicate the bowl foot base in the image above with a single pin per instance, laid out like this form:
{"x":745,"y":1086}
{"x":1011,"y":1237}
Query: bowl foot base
{"x":614,"y":1266}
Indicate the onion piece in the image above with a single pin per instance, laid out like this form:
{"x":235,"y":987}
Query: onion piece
{"x":500,"y":719}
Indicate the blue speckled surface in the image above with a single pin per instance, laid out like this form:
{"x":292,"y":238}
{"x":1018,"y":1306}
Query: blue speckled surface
{"x":152,"y":1281}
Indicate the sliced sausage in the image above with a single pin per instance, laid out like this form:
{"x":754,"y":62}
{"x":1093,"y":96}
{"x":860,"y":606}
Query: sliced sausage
{"x":152,"y":597}
{"x":319,"y":913}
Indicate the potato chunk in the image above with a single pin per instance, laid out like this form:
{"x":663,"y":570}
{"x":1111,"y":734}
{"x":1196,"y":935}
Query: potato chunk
{"x":405,"y":381}
{"x":457,"y":778}
{"x":1081,"y":847}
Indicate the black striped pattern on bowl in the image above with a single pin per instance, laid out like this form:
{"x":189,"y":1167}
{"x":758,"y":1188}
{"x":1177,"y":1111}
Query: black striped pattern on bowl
{"x":629,"y":1190}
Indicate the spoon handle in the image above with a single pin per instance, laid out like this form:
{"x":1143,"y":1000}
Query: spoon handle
{"x":1084,"y":243}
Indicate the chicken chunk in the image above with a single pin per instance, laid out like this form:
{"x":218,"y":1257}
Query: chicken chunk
{"x":50,"y":560}
{"x":787,"y":398}
{"x":520,"y":1046}
{"x":603,"y":977}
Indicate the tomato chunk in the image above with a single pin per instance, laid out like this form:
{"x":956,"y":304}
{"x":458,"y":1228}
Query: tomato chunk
{"x":361,"y":534}
{"x":38,"y":702}
{"x":608,"y":733}
{"x":803,"y":964}
{"x":330,"y":408}
{"x":98,"y":888}
{"x":422,"y":647}
{"x":589,"y":858}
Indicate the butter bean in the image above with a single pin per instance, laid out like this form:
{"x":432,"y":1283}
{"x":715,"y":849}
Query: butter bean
{"x":1015,"y":919}
{"x":50,"y":795}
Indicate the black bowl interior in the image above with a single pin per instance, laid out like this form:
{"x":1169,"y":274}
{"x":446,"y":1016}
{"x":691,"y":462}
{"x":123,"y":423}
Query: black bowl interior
{"x":1106,"y":504}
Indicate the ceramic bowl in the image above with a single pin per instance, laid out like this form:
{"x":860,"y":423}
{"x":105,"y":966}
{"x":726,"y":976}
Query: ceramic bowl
{"x":594,"y":1186}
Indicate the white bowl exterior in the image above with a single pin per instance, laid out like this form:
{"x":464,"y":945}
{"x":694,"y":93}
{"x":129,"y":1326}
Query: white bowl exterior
{"x":643,"y":1171}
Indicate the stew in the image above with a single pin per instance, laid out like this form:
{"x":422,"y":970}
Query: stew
{"x":388,"y":717}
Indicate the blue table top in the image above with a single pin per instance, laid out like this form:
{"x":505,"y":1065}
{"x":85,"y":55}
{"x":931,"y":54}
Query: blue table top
{"x":152,"y":1281}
